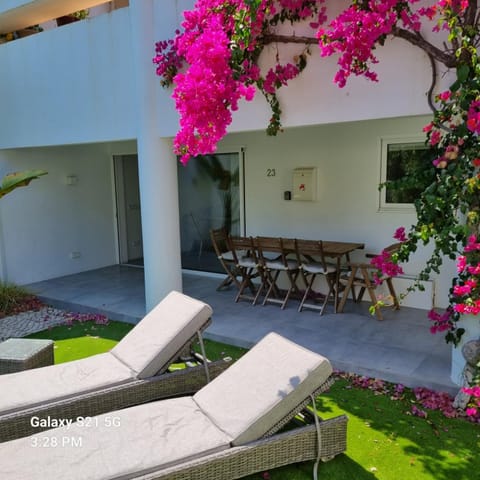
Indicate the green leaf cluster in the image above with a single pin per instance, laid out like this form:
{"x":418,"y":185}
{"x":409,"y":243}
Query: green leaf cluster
{"x":12,"y":181}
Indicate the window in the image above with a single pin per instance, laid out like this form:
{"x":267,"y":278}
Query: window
{"x":210,"y":196}
{"x":406,"y":171}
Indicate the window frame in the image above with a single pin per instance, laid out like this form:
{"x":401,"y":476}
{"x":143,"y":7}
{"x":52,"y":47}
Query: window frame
{"x":384,"y":142}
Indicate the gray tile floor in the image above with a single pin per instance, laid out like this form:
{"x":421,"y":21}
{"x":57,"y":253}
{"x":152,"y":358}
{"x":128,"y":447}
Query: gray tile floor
{"x":399,"y":349}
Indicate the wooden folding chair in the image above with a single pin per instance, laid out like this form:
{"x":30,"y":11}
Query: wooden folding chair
{"x":311,"y":259}
{"x":362,"y":276}
{"x":246,"y":262}
{"x":271,"y":269}
{"x":221,"y":244}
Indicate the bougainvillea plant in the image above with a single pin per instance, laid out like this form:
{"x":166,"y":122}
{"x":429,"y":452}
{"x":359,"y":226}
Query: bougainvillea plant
{"x":213,"y":63}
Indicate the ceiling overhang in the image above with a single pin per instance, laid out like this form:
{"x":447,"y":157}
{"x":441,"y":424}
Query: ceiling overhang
{"x":18,"y":14}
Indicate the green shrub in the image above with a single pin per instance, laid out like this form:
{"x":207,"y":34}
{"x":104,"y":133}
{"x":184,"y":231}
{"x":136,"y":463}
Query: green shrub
{"x":15,"y":299}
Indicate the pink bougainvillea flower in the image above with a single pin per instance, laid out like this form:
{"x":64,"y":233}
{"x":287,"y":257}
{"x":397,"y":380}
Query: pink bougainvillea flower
{"x":400,"y":234}
{"x":440,"y":162}
{"x":418,"y":412}
{"x":435,"y":137}
{"x":451,"y":152}
{"x":383,"y":262}
{"x":445,"y":95}
{"x":461,"y":263}
{"x":441,"y":322}
{"x":473,"y":118}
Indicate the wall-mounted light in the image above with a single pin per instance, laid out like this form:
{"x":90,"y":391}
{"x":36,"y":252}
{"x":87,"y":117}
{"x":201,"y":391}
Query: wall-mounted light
{"x":71,"y":179}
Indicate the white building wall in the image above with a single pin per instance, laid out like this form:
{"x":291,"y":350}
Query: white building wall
{"x":69,"y":85}
{"x":44,"y":223}
{"x":347,"y":157}
{"x":311,"y":99}
{"x":77,"y":85}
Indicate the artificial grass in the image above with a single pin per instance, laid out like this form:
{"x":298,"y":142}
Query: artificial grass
{"x":385,"y":441}
{"x":83,"y":339}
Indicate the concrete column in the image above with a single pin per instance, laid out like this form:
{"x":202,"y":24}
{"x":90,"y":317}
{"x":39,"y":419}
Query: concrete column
{"x":157,"y":168}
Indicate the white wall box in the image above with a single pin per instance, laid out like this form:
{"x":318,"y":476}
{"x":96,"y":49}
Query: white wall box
{"x":305,"y":184}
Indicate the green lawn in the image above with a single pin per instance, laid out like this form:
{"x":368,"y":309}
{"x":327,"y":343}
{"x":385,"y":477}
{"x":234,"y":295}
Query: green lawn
{"x":385,"y":441}
{"x":83,"y":339}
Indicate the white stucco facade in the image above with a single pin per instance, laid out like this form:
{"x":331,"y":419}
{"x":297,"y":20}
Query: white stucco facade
{"x":78,"y":95}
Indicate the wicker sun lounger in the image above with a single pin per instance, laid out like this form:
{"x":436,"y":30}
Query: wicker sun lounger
{"x":227,"y":430}
{"x":133,"y":372}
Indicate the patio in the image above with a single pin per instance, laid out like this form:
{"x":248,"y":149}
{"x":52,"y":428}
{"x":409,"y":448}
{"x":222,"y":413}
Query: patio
{"x":398,"y":349}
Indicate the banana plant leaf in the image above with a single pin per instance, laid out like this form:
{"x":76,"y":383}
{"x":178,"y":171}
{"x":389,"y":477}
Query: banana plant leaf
{"x":18,"y":179}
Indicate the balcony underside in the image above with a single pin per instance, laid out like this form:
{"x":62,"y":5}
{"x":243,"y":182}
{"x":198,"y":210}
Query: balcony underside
{"x":18,"y":14}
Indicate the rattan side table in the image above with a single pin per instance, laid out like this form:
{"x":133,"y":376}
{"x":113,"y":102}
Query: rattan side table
{"x":17,"y":354}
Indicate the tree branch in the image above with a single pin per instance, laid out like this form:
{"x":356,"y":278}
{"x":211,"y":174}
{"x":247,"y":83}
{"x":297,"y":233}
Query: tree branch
{"x":272,"y":38}
{"x":432,"y":85}
{"x":417,"y":40}
{"x":413,"y":38}
{"x":470,"y":13}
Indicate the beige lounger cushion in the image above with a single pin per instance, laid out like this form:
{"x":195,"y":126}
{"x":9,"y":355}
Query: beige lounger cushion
{"x":120,"y":445}
{"x":150,"y":346}
{"x":56,"y":382}
{"x":258,"y":390}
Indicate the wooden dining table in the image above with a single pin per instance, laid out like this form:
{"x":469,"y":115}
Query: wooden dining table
{"x":336,"y":250}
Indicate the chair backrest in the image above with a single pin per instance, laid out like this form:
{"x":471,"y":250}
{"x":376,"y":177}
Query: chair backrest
{"x":306,"y":250}
{"x":393,"y":248}
{"x":243,"y":246}
{"x":390,"y":249}
{"x":220,"y":241}
{"x":255,"y":395}
{"x":267,"y":245}
{"x":154,"y":342}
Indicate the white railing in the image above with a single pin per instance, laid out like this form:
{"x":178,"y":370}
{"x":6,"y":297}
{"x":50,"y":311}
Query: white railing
{"x":73,"y":84}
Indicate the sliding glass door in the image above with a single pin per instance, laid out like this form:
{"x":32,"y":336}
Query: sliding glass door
{"x":210,"y":196}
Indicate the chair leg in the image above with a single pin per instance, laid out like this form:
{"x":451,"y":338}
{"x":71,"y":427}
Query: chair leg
{"x":325,"y":300}
{"x":251,"y":285}
{"x":331,"y":282}
{"x":396,"y":303}
{"x":285,"y":300}
{"x":360,"y":295}
{"x":271,"y":279}
{"x":321,"y":309}
{"x":263,"y":284}
{"x":308,"y":284}
{"x":347,"y":290}
{"x":371,"y":292}
{"x":246,"y":282}
{"x":230,"y":278}
{"x":292,"y":278}
{"x":226,"y":282}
